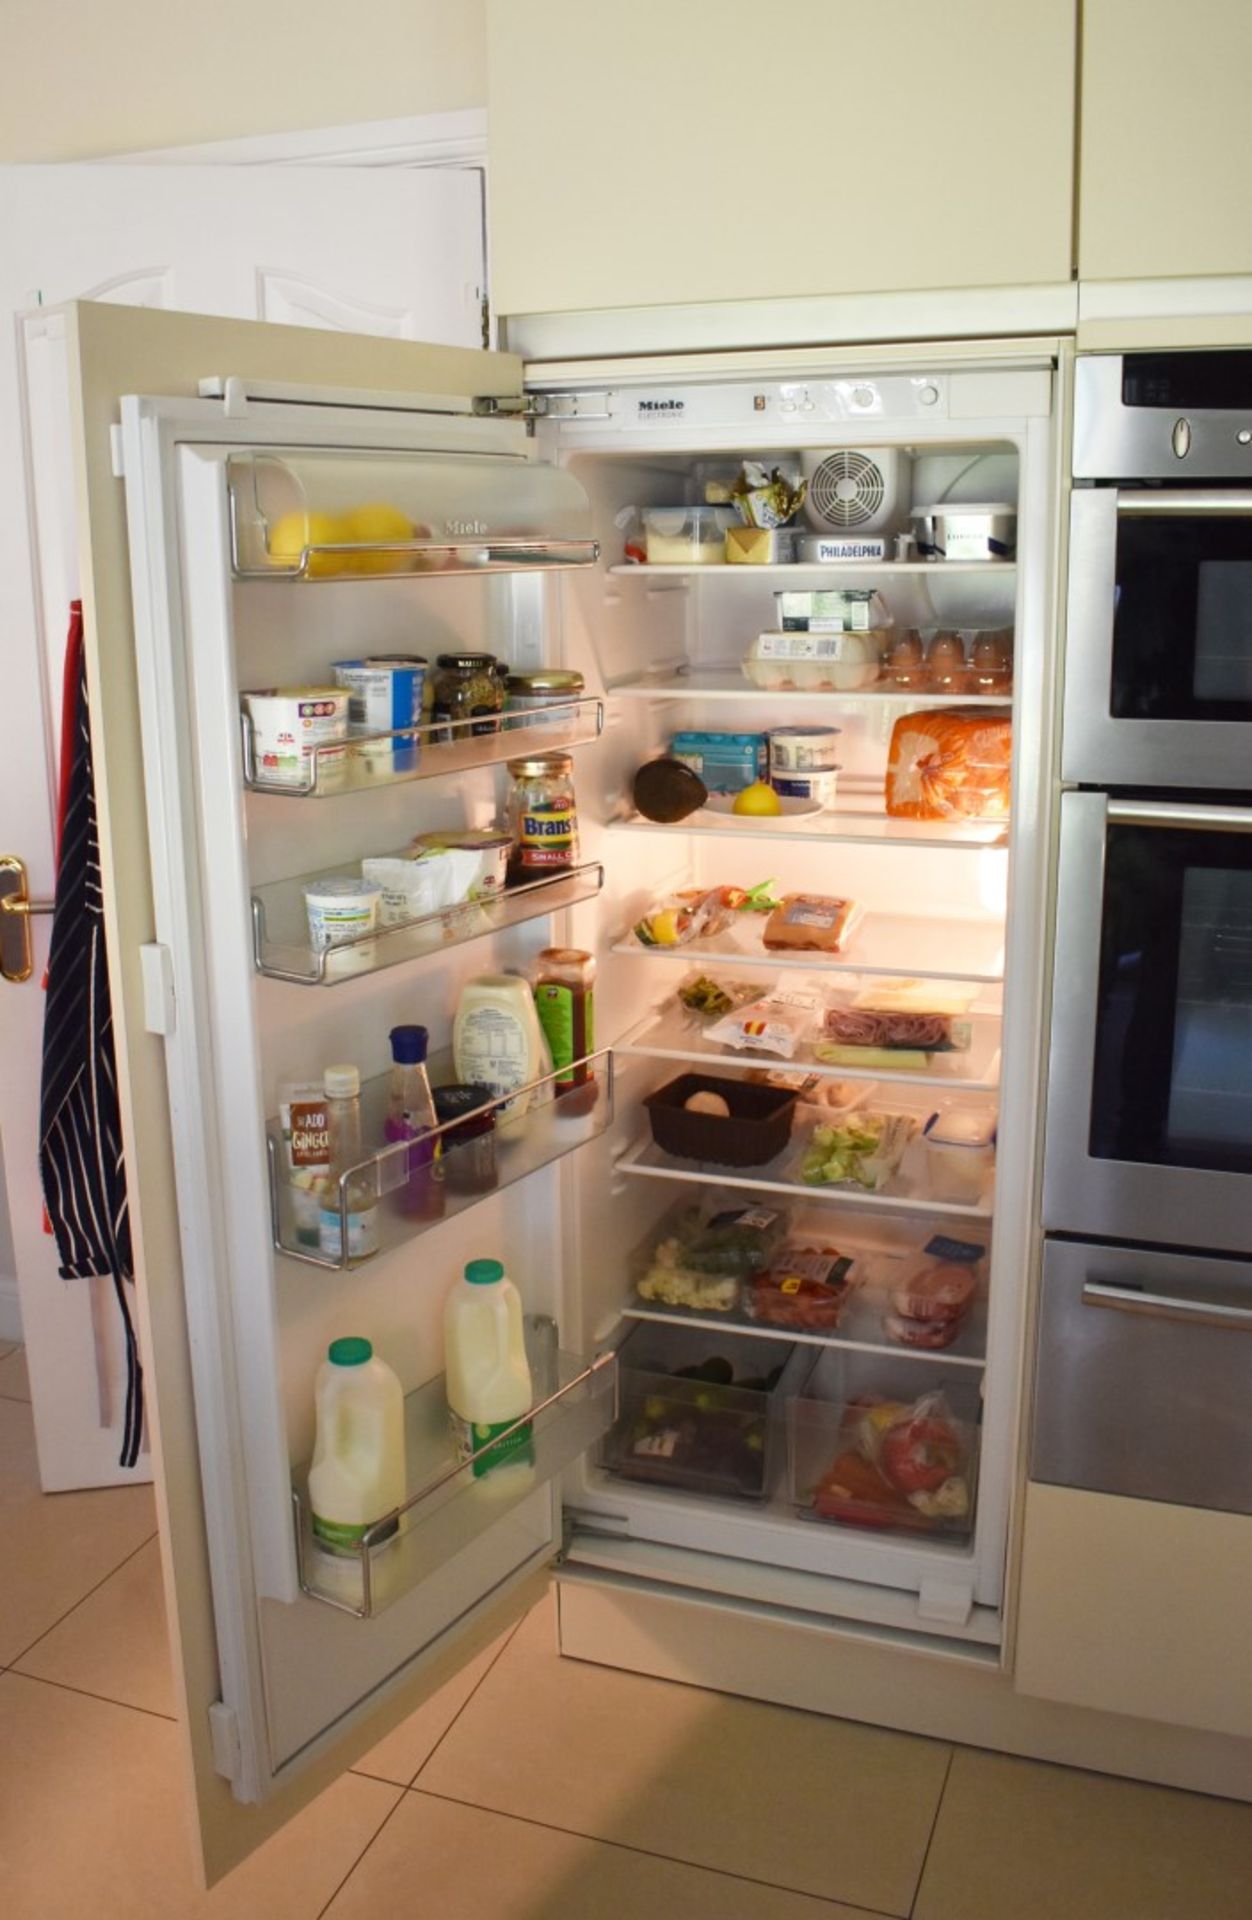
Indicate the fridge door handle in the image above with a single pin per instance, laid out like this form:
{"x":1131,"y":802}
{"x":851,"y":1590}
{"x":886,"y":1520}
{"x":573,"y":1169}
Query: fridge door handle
{"x":1163,"y":1306}
{"x":1161,"y":813}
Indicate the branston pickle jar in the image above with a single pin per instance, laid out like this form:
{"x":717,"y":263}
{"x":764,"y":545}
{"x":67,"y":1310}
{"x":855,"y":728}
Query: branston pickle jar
{"x":543,"y":816}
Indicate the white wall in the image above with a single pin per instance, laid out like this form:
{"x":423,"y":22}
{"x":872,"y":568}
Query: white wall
{"x":80,"y":78}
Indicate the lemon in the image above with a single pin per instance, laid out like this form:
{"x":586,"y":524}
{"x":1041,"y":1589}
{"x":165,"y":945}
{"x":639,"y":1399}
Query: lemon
{"x":378,"y":520}
{"x":296,"y":531}
{"x":664,"y":928}
{"x":759,"y":798}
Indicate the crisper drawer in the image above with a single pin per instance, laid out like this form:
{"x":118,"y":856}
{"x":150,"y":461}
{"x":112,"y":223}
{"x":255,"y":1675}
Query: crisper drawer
{"x":1142,"y":1376}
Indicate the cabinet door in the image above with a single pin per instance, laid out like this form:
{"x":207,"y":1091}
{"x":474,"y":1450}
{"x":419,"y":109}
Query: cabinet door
{"x":668,"y":155}
{"x":1165,"y":176}
{"x":1136,"y":1607}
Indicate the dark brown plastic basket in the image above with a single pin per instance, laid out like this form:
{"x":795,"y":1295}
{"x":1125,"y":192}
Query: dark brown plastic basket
{"x":758,"y":1126}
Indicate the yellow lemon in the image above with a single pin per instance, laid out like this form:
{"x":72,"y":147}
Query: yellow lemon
{"x":664,"y":928}
{"x":375,"y":521}
{"x":296,"y":531}
{"x":759,"y":798}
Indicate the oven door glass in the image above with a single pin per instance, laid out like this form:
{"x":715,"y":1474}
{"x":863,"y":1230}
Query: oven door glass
{"x":1172,"y":1078}
{"x":1182,"y":617}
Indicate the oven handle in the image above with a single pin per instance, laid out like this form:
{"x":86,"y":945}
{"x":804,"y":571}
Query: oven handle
{"x":1173,"y":502}
{"x":1160,"y":813}
{"x":1163,"y":1306}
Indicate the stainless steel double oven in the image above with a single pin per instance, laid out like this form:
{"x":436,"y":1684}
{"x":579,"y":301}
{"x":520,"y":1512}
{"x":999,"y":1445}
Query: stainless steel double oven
{"x":1148,"y":1154}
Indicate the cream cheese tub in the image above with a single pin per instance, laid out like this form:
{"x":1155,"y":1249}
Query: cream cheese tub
{"x":802,"y":764}
{"x":287,"y":724}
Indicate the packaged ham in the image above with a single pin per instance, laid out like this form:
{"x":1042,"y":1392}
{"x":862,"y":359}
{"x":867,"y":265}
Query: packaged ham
{"x":939,"y":1282}
{"x":928,"y":1335}
{"x":812,"y":923}
{"x":949,"y":765}
{"x":922,"y":1016}
{"x":776,"y":1023}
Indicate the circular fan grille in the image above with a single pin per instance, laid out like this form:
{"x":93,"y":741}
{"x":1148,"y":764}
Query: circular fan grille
{"x":847,"y":489}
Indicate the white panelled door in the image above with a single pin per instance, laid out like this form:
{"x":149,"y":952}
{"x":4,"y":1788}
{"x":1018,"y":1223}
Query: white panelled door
{"x":397,"y":253}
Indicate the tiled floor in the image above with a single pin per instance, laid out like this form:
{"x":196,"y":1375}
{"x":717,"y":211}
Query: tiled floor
{"x":532,"y":1788}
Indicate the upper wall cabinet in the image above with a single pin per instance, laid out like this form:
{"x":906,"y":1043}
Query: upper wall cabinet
{"x":664,"y":154}
{"x":1166,"y":159}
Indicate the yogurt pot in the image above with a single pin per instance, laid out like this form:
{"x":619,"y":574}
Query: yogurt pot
{"x":341,"y":908}
{"x":802,"y":763}
{"x":287,"y":724}
{"x":492,"y":847}
{"x":960,"y":1153}
{"x":385,"y":692}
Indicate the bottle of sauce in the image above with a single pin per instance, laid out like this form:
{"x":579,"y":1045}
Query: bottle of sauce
{"x":410,"y":1116}
{"x":565,"y":1002}
{"x":342,"y":1087}
{"x":497,"y":1042}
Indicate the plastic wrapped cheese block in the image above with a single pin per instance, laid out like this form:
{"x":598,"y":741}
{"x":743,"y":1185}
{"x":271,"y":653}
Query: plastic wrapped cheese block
{"x":949,"y":765}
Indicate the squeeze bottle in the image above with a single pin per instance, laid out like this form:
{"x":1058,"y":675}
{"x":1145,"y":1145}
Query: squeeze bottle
{"x":488,"y":1375}
{"x":358,"y":1458}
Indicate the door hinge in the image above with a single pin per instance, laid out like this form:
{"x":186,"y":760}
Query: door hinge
{"x":224,"y":1734}
{"x":117,"y":457}
{"x":485,"y":311}
{"x":156,"y":965}
{"x":546,"y":406}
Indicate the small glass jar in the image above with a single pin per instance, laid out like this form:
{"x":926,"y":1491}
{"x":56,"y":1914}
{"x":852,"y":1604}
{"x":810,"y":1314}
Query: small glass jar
{"x":542,"y":698}
{"x":466,"y":685}
{"x":543,"y":816}
{"x":467,"y":1159}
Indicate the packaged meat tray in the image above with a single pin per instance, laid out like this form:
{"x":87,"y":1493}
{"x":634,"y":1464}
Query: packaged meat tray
{"x":949,"y":765}
{"x":811,"y":923}
{"x":921,"y":1016}
{"x":805,"y":1288}
{"x":939,"y":1282}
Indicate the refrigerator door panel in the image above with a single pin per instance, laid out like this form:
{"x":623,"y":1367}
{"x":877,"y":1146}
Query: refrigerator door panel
{"x":276,"y":1694}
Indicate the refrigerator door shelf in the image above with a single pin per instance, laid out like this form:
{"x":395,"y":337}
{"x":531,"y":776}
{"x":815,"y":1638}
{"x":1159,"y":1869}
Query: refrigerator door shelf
{"x":575,"y":1402}
{"x":281,"y":949}
{"x":391,"y":1179}
{"x":322,"y":515}
{"x":367,"y":760}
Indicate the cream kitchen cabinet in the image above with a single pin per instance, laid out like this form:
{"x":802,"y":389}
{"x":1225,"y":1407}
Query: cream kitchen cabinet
{"x":1165,"y":181}
{"x":668,"y":155}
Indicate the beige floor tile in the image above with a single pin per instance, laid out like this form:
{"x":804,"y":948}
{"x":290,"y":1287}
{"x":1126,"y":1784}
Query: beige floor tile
{"x":14,"y":1379}
{"x":399,"y":1756}
{"x":57,"y":1547}
{"x":793,"y":1799}
{"x":459,"y":1863}
{"x":1047,"y":1843}
{"x":93,"y":1827}
{"x":114,"y":1643}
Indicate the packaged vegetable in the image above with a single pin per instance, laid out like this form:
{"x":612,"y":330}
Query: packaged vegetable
{"x":904,"y":1466}
{"x":864,"y":1150}
{"x":775,"y":1024}
{"x":811,"y":922}
{"x":710,"y":998}
{"x":806,"y":1287}
{"x":951,"y":765}
{"x":691,"y":915}
{"x":707,"y":1250}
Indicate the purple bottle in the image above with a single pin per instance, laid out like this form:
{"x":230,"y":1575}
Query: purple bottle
{"x":410,"y":1116}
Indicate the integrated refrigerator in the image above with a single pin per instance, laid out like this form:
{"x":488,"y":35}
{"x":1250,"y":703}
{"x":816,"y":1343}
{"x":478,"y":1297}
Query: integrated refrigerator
{"x":522,"y":494}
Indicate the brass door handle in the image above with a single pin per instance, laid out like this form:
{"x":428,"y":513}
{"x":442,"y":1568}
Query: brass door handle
{"x":16,"y":908}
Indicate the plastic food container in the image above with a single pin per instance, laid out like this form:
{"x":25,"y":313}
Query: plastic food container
{"x":757,"y":1127}
{"x":802,"y":763}
{"x":341,"y":908}
{"x":492,"y":846}
{"x":759,"y":546}
{"x":287,"y":723}
{"x":814,"y":660}
{"x":701,"y":1411}
{"x":687,"y":536}
{"x":726,"y":762}
{"x":960,"y":1152}
{"x":834,"y":610}
{"x":835,"y":1424}
{"x":969,"y":531}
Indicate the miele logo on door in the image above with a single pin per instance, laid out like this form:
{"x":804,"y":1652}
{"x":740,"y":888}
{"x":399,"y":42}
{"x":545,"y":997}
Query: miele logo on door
{"x":661,"y":406}
{"x":462,"y":529}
